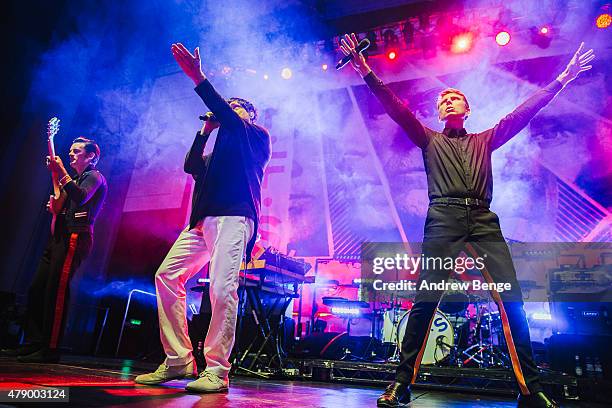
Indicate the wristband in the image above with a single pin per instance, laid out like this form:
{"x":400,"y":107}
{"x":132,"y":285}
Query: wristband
{"x":64,"y":180}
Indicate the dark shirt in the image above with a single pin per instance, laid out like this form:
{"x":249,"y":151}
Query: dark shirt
{"x":228,"y":181}
{"x":457,"y":163}
{"x":86,"y":194}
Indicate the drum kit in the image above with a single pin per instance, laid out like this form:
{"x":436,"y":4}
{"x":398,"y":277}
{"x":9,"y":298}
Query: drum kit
{"x":466,"y":332}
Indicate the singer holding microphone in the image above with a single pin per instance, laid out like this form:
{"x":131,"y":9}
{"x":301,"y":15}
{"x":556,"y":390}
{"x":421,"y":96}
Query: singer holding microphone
{"x":460,"y":184}
{"x":222,"y":228}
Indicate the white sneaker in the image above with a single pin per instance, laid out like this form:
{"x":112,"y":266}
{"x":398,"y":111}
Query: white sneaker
{"x":208,"y":382}
{"x":166,"y":373}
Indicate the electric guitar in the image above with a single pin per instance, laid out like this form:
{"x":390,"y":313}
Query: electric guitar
{"x":52,"y":129}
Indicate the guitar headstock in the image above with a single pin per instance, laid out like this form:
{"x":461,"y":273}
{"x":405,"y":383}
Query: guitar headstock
{"x":52,"y":128}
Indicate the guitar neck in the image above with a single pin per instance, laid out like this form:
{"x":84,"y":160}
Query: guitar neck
{"x":56,"y":187}
{"x":52,"y":129}
{"x":51,"y":147}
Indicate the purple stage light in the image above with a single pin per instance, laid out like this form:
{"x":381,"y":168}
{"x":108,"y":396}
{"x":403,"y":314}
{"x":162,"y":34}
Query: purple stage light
{"x":502,"y":38}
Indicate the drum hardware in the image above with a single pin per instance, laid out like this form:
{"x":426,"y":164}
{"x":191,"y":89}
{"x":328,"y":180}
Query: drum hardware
{"x":484,"y":352}
{"x":486,"y":356}
{"x":450,"y":341}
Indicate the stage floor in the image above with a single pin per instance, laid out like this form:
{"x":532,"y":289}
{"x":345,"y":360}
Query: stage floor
{"x":109,"y":382}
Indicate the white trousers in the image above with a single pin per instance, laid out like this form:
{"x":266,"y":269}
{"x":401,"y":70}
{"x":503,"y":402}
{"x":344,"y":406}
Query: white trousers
{"x":222,"y":241}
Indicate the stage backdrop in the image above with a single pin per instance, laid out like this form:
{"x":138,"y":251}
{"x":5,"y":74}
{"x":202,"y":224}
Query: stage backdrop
{"x":342,"y":172}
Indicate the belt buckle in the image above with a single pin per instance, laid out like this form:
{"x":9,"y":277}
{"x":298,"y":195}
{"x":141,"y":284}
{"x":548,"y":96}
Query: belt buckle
{"x":467,"y":202}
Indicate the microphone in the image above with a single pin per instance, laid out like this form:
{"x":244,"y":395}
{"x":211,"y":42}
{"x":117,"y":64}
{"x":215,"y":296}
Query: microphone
{"x":208,"y":116}
{"x":361,"y":47}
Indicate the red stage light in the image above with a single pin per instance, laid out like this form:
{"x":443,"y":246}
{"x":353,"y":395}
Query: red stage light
{"x":603,"y":20}
{"x":544,"y":30}
{"x":502,"y":38}
{"x":462,"y":43}
{"x":391,"y":55}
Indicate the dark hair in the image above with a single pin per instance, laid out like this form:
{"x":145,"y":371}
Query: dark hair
{"x":248,"y":106}
{"x":90,"y":147}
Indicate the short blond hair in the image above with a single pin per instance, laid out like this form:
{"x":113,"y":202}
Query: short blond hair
{"x":455,"y":91}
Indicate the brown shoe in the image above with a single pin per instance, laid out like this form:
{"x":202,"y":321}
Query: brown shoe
{"x":396,"y":395}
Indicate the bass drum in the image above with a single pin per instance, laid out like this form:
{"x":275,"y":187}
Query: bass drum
{"x":391,"y":319}
{"x":441,"y":338}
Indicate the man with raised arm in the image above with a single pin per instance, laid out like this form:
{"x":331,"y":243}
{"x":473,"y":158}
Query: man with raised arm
{"x":460,"y":186}
{"x":222,"y":229}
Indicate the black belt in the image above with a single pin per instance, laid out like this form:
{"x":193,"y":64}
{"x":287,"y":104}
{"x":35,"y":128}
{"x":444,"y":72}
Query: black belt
{"x":468,"y":202}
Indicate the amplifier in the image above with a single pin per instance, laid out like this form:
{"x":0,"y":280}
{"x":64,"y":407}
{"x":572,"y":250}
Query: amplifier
{"x":581,"y":318}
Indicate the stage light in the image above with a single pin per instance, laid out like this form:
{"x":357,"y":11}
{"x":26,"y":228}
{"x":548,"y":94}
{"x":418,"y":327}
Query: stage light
{"x":603,"y":20}
{"x":462,"y":43}
{"x":541,"y":36}
{"x":324,"y":67}
{"x":391,"y":44}
{"x":266,"y":77}
{"x":502,"y":38}
{"x":286,"y":73}
{"x":541,"y":316}
{"x":348,"y":311}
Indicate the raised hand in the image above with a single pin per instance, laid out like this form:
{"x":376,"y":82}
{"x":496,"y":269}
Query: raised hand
{"x":347,"y":45}
{"x":578,"y":64}
{"x":209,"y":126}
{"x":189,"y":63}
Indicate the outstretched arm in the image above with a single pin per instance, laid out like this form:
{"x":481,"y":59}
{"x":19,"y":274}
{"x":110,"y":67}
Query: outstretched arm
{"x":192,"y":67}
{"x":516,"y":121}
{"x":394,"y":107}
{"x":577,"y":65}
